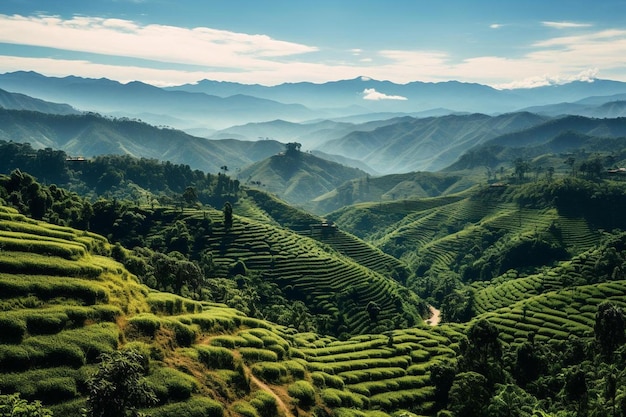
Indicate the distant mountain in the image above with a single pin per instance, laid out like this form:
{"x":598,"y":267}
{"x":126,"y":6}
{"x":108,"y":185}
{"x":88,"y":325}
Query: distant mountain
{"x":297,"y":177}
{"x":310,"y":135}
{"x":216,"y":105}
{"x":600,"y":107}
{"x":195,"y":109}
{"x":16,"y":101}
{"x":564,"y":135}
{"x":349,"y":162}
{"x":426,"y":144}
{"x":394,"y":187}
{"x":570,"y":92}
{"x":90,"y":134}
{"x":411,"y":97}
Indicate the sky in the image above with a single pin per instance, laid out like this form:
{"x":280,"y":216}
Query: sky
{"x":501,"y":43}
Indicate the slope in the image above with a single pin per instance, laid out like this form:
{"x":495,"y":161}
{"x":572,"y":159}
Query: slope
{"x":90,"y":134}
{"x":298,"y":177}
{"x":15,"y":101}
{"x":64,"y":302}
{"x":427,"y":144}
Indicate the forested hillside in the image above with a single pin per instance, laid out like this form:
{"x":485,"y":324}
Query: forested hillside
{"x":228,"y":301}
{"x":551,"y":346}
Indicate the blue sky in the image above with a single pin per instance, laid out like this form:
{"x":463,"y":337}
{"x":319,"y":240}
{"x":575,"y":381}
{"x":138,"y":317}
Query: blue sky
{"x":168,"y":42}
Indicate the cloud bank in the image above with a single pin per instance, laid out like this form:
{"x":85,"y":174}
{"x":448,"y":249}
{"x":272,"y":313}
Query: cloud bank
{"x":126,"y":50}
{"x":372,"y":94}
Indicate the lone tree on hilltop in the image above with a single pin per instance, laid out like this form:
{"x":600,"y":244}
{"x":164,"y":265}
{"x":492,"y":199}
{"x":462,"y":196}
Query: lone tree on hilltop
{"x":292,"y":148}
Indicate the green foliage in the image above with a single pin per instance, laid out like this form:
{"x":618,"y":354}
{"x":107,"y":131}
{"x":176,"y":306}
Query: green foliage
{"x":264,"y":403}
{"x":468,"y":394}
{"x":14,"y":406}
{"x":194,"y":407}
{"x":118,"y":388}
{"x":170,"y":384}
{"x":216,"y":357}
{"x":269,"y":371}
{"x":302,"y":391}
{"x":609,"y":328}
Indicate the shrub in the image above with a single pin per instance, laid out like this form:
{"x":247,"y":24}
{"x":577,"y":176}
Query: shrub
{"x":245,"y":409}
{"x":185,"y":335}
{"x":145,"y":324}
{"x":264,"y":403}
{"x":54,"y":351}
{"x":13,"y":405}
{"x":295,"y":368}
{"x":303,"y":391}
{"x":46,"y":323}
{"x":330,"y":398}
{"x":216,"y":357}
{"x":55,"y":390}
{"x":254,"y":354}
{"x":171,"y":384}
{"x":269,"y":371}
{"x":194,"y":407}
{"x":12,"y":329}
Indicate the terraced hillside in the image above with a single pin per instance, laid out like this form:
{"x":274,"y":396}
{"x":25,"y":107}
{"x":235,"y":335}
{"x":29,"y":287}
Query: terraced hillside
{"x":325,"y":272}
{"x":64,"y":302}
{"x":481,"y":233}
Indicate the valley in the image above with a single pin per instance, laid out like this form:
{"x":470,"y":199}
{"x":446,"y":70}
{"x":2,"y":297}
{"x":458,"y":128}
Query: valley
{"x":446,"y":265}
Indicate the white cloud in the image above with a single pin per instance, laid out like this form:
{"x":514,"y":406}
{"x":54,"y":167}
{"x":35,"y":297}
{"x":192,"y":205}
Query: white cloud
{"x":588,"y":75}
{"x":566,"y":25}
{"x":117,"y":37}
{"x":187,"y":55}
{"x":372,"y":94}
{"x":495,"y":26}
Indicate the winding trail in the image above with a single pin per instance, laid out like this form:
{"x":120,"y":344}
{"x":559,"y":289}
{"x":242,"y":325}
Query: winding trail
{"x":279,"y":402}
{"x":435,"y":316}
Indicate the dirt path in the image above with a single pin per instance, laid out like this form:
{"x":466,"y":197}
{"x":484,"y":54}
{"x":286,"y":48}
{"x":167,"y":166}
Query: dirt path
{"x":435,"y":316}
{"x":279,"y":402}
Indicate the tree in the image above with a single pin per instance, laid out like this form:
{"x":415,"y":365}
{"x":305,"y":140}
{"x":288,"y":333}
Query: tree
{"x":483,"y":352}
{"x":14,"y":406}
{"x":292,"y":148}
{"x":609,"y":328}
{"x":571,"y":162}
{"x":118,"y":387}
{"x":521,"y":168}
{"x":373,"y":309}
{"x":190,"y":195}
{"x":511,"y":401}
{"x":468,"y":394}
{"x":442,"y":376}
{"x":228,"y":215}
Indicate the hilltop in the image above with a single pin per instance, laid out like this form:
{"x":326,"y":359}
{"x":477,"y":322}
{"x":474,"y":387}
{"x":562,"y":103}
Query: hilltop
{"x":298,"y":177}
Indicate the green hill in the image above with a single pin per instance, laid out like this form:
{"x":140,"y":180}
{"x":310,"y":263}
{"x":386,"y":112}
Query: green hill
{"x":65,"y":302}
{"x":297,"y":177}
{"x":91,"y":135}
{"x":395,"y":187}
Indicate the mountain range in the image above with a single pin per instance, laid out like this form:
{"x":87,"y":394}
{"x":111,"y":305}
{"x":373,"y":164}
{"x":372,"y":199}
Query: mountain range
{"x":211,"y":105}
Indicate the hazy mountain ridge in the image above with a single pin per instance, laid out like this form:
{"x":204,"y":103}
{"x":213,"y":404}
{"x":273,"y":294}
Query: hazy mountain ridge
{"x":16,"y":101}
{"x":216,"y":105}
{"x":196,"y":109}
{"x":428,"y":144}
{"x":89,"y":134}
